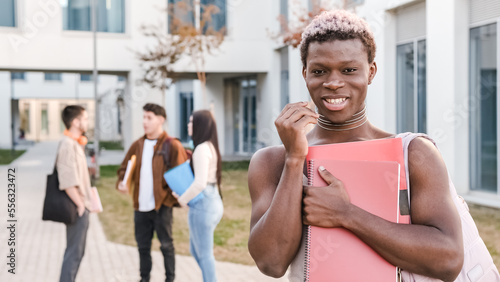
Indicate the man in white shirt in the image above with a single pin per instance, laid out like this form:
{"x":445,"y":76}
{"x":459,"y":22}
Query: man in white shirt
{"x":155,"y":153}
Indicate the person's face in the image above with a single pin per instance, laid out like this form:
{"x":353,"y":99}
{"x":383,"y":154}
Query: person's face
{"x":337,"y":75}
{"x":82,"y":122}
{"x":151,"y":122}
{"x":190,"y":126}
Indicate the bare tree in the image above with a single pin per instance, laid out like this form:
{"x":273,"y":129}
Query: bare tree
{"x":187,"y":37}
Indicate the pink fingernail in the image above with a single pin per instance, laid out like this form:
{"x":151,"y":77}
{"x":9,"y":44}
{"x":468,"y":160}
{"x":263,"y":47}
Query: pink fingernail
{"x":321,"y":168}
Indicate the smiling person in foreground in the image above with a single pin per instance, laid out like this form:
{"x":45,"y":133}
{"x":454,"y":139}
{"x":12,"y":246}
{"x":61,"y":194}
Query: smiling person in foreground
{"x":440,"y":244}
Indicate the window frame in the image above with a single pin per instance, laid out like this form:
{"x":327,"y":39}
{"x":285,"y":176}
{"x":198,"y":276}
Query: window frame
{"x":196,"y":14}
{"x":474,"y":168}
{"x":22,"y":78}
{"x":60,"y":79}
{"x":125,"y":15}
{"x":16,"y":21}
{"x":417,"y":123}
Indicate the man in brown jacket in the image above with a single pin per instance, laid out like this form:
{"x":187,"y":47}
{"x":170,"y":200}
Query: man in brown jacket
{"x":153,"y":200}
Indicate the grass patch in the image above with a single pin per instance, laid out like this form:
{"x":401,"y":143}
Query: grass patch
{"x":239,"y":165}
{"x":109,"y":145}
{"x":230,"y":237}
{"x":109,"y":171}
{"x":488,"y":224}
{"x":7,"y":156}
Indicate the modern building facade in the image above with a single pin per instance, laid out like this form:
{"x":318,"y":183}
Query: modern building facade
{"x":437,"y":71}
{"x":437,"y":74}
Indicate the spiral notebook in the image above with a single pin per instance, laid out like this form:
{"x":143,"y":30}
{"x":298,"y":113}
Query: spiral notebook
{"x":336,"y":254}
{"x":390,"y":149}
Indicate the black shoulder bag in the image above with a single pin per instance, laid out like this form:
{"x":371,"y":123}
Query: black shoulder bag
{"x":57,"y":205}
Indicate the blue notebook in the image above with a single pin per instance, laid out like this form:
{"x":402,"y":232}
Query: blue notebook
{"x":180,"y":178}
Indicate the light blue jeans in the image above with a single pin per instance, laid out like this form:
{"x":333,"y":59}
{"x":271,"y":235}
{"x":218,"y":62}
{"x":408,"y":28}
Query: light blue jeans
{"x":203,"y":217}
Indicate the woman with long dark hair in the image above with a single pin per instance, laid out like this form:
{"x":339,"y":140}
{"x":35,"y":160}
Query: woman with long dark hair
{"x":204,"y":214}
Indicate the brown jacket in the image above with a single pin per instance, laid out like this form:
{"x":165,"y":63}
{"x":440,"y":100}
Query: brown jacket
{"x":162,"y":193}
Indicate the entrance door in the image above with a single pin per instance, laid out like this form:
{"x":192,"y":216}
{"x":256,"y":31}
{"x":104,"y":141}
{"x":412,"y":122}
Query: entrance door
{"x":244,"y":91}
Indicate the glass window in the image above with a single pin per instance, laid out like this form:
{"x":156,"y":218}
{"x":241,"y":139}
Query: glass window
{"x":182,"y":11}
{"x":284,"y":11}
{"x":285,"y":97}
{"x":411,"y":87}
{"x":122,"y":78}
{"x":53,"y":76}
{"x":421,"y":87}
{"x":186,"y":109}
{"x":85,"y":77}
{"x":25,"y":118}
{"x":18,"y":75}
{"x":405,"y":87}
{"x":218,"y":19}
{"x":45,"y":119}
{"x":249,"y":98}
{"x":352,"y":3}
{"x":110,"y":15}
{"x":62,"y":127}
{"x":483,"y":107}
{"x":8,"y":13}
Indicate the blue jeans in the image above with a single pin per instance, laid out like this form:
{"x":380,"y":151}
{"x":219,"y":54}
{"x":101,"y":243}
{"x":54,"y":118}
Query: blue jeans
{"x":203,"y":217}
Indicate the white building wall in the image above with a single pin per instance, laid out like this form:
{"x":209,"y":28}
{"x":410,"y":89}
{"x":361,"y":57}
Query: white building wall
{"x":447,"y":89}
{"x":40,"y":43}
{"x":269,"y":103}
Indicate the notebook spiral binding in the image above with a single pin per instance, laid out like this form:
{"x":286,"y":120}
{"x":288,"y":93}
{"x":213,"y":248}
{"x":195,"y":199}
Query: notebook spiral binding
{"x":310,"y":175}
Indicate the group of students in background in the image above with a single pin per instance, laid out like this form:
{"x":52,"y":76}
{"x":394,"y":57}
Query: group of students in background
{"x":153,"y":201}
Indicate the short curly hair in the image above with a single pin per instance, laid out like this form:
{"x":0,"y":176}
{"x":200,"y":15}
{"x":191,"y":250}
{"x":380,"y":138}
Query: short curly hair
{"x":337,"y":25}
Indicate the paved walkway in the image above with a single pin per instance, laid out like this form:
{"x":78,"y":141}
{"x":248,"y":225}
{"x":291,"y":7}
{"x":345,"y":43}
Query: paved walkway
{"x":40,"y":245}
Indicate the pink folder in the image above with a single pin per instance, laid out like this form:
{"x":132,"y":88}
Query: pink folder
{"x":390,"y":149}
{"x":336,"y":254}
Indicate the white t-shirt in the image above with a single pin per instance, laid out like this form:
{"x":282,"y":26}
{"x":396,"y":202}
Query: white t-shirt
{"x":146,"y":191}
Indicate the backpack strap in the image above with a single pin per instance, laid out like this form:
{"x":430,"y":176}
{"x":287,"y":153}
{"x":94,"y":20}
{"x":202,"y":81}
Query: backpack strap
{"x":57,"y":156}
{"x":407,"y":137}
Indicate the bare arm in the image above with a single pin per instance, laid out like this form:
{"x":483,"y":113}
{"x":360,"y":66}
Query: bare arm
{"x":431,"y":245}
{"x":275,"y":183}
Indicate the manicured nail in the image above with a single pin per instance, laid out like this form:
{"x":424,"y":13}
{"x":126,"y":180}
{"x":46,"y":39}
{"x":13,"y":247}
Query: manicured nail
{"x":321,"y":168}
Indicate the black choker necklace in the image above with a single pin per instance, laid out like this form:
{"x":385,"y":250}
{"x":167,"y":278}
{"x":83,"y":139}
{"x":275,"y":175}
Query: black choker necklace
{"x":358,"y":119}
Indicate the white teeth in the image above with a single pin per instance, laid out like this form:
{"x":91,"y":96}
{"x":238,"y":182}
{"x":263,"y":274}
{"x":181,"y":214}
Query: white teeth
{"x":336,"y":101}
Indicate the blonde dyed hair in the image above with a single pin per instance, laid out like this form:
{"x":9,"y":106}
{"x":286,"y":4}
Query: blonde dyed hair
{"x":337,"y":25}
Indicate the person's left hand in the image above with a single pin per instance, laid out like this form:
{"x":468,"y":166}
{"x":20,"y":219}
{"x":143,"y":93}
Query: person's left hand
{"x":181,"y":203}
{"x":326,"y":206}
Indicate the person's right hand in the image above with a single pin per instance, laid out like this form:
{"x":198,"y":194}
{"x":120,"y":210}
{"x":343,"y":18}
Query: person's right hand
{"x":122,"y":188}
{"x":291,"y":125}
{"x":81,"y":210}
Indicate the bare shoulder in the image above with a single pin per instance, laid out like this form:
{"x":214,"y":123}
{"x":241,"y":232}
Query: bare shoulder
{"x":264,"y":174}
{"x":265,"y":171}
{"x":431,"y":200}
{"x":422,"y":152}
{"x":267,"y":161}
